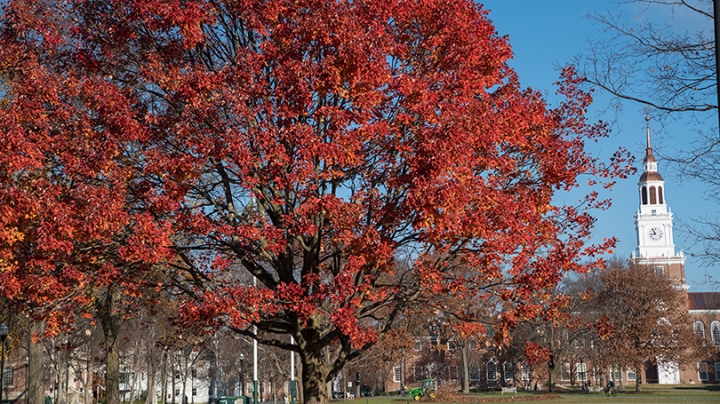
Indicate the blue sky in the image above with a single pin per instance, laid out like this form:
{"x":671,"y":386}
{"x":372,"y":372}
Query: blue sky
{"x":547,"y":34}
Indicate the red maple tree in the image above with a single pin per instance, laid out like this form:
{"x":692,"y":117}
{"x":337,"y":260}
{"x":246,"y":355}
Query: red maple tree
{"x":313,"y":145}
{"x":74,"y":239}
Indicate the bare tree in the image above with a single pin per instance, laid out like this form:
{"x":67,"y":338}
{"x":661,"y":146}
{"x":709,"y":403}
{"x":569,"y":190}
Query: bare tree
{"x":656,"y":62}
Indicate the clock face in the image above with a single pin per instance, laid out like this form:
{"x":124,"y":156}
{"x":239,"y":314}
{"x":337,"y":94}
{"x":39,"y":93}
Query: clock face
{"x":655,"y":233}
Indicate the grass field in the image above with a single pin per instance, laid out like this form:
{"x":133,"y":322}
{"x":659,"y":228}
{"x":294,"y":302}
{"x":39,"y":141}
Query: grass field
{"x":650,"y":394}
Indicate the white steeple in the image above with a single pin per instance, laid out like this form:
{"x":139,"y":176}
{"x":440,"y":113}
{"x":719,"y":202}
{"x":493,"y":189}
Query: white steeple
{"x":654,"y":222}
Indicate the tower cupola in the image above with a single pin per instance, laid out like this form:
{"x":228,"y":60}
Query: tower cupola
{"x":654,"y":223}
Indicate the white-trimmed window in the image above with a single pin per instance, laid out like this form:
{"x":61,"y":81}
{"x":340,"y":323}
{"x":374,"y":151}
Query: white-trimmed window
{"x":452,"y":373}
{"x":418,"y":345}
{"x":715,"y":332}
{"x":8,"y":378}
{"x":717,"y":371}
{"x":525,"y":372}
{"x":703,"y":371}
{"x":565,"y":372}
{"x":699,"y":328}
{"x":615,"y":373}
{"x":452,"y":345}
{"x":508,"y":372}
{"x":397,"y":374}
{"x":434,"y":335}
{"x":474,"y":372}
{"x":581,"y":370}
{"x":631,"y":376}
{"x":491,"y":370}
{"x":659,"y":270}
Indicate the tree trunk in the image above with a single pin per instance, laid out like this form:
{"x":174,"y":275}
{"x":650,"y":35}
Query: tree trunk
{"x":551,"y":369}
{"x":112,"y":367}
{"x":172,"y":380}
{"x":150,"y":398}
{"x":108,"y":319}
{"x":132,"y":383}
{"x":62,"y":367}
{"x":36,"y":389}
{"x":638,"y":379}
{"x":465,"y":369}
{"x":88,"y":372}
{"x":163,"y":376}
{"x":88,"y":375}
{"x":183,"y":390}
{"x":314,"y":378}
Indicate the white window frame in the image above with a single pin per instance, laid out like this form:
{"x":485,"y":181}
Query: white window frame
{"x":491,"y":376}
{"x":717,"y":371}
{"x":699,"y":329}
{"x":397,"y":374}
{"x":581,"y":371}
{"x":715,"y":332}
{"x":525,"y":372}
{"x":451,"y":345}
{"x":631,"y":375}
{"x":8,"y":378}
{"x":565,"y":372}
{"x":418,"y":345}
{"x":434,"y":340}
{"x":659,"y":270}
{"x":701,"y":366}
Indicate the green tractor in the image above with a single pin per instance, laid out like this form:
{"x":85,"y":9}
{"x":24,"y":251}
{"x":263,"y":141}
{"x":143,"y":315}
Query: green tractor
{"x":428,"y":388}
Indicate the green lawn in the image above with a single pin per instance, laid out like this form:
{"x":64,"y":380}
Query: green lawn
{"x":650,"y":394}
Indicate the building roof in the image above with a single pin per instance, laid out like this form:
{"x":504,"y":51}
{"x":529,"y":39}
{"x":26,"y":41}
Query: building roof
{"x":704,"y":301}
{"x":650,"y":176}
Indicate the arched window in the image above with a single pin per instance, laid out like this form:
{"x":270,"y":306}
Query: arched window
{"x":653,"y":198}
{"x":715,"y":332}
{"x":491,"y":371}
{"x":643,"y":195}
{"x":660,"y":195}
{"x":699,"y":329}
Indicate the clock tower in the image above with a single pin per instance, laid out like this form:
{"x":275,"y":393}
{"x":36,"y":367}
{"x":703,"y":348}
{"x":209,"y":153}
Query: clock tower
{"x":654,"y":224}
